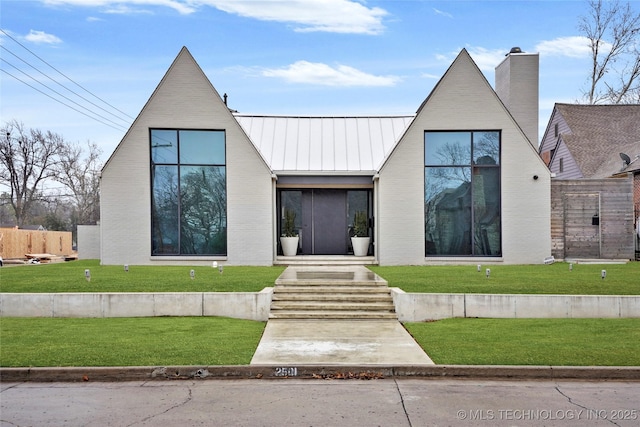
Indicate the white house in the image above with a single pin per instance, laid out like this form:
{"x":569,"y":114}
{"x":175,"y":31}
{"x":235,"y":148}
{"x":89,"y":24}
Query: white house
{"x":458,"y":182}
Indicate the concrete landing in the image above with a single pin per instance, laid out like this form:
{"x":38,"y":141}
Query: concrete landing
{"x":338,"y":342}
{"x":335,"y":341}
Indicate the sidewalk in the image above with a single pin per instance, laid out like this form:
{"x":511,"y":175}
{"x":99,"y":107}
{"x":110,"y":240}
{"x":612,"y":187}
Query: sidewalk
{"x":338,"y":342}
{"x":334,"y":341}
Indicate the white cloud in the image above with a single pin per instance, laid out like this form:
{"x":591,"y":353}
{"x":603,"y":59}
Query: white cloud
{"x":487,"y":59}
{"x":42,"y":37}
{"x":429,"y":76}
{"x":572,"y":47}
{"x":124,"y":6}
{"x":443,"y":13}
{"x":323,"y":74}
{"x":337,"y":16}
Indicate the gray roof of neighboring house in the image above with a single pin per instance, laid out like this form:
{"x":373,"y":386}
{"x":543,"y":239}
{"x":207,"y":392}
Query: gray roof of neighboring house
{"x":324,"y":144}
{"x":599,"y":133}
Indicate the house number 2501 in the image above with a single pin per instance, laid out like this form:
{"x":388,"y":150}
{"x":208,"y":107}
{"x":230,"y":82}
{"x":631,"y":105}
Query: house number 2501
{"x":286,"y":372}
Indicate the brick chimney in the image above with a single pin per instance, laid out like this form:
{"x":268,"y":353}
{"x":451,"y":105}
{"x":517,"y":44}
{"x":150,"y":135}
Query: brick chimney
{"x":517,"y":84}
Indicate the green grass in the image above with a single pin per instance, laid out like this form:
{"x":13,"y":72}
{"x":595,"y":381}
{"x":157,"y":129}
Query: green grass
{"x":163,"y":341}
{"x":622,"y":279}
{"x":69,"y":277}
{"x":562,"y":342}
{"x":158,"y":341}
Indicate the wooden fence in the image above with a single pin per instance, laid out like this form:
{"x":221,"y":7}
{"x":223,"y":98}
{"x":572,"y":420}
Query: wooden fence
{"x":16,"y":243}
{"x":592,"y":218}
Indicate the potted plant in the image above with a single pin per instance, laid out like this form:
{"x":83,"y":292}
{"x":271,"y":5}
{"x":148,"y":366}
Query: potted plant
{"x":360,"y":239}
{"x":289,"y":238}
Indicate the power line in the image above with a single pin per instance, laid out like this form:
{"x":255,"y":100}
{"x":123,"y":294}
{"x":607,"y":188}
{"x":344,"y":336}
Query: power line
{"x":57,"y":93}
{"x":65,"y":76}
{"x":57,"y":100}
{"x":88,"y":109}
{"x":58,"y":83}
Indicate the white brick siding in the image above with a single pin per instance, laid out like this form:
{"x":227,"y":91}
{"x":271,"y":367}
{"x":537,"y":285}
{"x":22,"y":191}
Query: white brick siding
{"x":185,"y":99}
{"x":463,"y":100}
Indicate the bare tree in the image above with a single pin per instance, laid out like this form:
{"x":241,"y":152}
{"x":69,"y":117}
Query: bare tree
{"x":27,"y":159}
{"x":79,"y":171}
{"x":613,"y":30}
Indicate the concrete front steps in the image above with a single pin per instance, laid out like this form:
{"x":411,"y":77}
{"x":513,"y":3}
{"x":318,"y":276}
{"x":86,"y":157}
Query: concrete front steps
{"x":331,"y":296}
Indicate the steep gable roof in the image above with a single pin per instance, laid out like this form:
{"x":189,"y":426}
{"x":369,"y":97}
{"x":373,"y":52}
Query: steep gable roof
{"x":183,"y":81}
{"x":597,"y":131}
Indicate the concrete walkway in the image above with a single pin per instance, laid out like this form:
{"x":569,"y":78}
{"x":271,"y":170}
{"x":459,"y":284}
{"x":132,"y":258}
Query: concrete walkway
{"x":336,"y":341}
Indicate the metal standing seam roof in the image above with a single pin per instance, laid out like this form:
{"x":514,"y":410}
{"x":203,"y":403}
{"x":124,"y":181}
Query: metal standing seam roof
{"x":324,"y":144}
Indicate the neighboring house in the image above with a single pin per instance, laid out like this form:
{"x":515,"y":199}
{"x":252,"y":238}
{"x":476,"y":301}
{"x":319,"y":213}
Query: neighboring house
{"x":459,"y":182}
{"x":586,"y":146}
{"x":585,"y":141}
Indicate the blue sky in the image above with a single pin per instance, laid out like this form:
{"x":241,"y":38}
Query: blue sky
{"x":289,"y":57}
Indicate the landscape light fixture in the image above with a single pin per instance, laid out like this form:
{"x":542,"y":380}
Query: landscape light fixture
{"x":126,"y":268}
{"x":570,"y":267}
{"x":479,"y":267}
{"x":220,"y":268}
{"x":87,"y":275}
{"x":488,"y":272}
{"x":192,"y":273}
{"x":215,"y":264}
{"x":603,"y":274}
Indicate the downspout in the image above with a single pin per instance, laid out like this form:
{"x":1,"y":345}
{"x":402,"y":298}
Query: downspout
{"x":376,"y":221}
{"x":274,"y":221}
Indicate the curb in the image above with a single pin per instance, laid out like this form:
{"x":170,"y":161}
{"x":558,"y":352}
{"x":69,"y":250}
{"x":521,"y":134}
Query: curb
{"x":167,"y":373}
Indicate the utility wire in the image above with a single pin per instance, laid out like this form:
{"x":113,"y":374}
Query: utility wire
{"x":58,"y":93}
{"x":59,"y":84}
{"x":57,"y":100}
{"x":62,"y":85}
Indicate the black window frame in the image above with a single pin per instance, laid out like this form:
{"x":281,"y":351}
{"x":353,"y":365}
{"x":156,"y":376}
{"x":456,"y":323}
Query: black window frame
{"x":472,"y":166}
{"x":178,"y":164}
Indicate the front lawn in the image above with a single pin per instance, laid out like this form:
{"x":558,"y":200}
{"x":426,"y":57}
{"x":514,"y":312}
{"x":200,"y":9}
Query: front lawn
{"x":162,"y":341}
{"x":583,"y":279}
{"x":142,"y":341}
{"x":70,"y":277}
{"x":568,"y":342}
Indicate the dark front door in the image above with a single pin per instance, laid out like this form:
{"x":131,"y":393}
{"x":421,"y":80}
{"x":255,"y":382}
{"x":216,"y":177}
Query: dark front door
{"x":324,"y":219}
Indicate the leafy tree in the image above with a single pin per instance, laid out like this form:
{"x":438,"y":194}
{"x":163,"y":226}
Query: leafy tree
{"x":613,"y":30}
{"x":27,"y":159}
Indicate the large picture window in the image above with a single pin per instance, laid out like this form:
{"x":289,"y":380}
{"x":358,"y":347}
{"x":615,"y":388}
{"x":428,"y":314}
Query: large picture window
{"x":462,"y":193}
{"x":188,"y":192}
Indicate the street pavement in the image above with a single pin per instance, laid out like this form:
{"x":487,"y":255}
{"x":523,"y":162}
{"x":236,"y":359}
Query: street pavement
{"x":322,"y":402}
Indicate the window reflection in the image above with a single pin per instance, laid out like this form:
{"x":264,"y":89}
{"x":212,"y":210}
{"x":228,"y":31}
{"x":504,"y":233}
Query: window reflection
{"x":164,"y":146}
{"x":447,"y":148}
{"x":203,"y":221}
{"x":164,"y":216}
{"x":201,"y":147}
{"x":486,"y":147}
{"x":188,"y":206}
{"x":462,"y":200}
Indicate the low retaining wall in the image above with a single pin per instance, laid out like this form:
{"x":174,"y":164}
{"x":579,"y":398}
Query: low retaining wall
{"x":418,"y":307}
{"x":239,"y":305}
{"x":410,"y":307}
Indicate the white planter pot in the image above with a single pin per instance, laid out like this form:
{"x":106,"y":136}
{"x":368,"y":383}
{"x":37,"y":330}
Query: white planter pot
{"x":360,"y":245}
{"x":289,"y":245}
